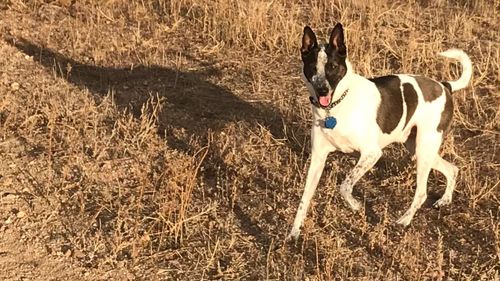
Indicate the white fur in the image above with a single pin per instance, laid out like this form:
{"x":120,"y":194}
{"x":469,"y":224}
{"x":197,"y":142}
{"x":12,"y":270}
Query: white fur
{"x":320,"y":64}
{"x":322,"y":59}
{"x":464,"y":60}
{"x":357,"y":130}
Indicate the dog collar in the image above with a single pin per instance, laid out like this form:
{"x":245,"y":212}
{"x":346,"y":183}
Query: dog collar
{"x":332,"y":104}
{"x":330,"y":122}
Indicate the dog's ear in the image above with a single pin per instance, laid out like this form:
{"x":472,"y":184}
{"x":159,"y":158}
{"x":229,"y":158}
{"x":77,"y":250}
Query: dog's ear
{"x":308,"y":40}
{"x":337,"y":40}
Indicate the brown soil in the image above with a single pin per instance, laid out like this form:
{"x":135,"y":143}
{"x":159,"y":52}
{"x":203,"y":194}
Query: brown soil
{"x":156,"y":140}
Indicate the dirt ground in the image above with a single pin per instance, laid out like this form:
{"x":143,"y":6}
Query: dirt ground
{"x":164,"y":140}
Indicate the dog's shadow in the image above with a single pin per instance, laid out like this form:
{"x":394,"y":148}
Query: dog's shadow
{"x":195,"y":105}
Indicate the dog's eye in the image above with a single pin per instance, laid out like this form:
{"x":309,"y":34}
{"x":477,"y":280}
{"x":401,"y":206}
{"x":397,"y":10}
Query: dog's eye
{"x":306,"y":54}
{"x":329,"y":68}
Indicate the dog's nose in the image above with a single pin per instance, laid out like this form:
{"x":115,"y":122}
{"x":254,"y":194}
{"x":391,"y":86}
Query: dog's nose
{"x":322,"y":91}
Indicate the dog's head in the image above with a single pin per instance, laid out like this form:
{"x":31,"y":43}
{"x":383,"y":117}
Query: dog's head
{"x":325,"y":64}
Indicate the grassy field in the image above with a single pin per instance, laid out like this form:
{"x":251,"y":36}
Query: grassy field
{"x":169,"y":140}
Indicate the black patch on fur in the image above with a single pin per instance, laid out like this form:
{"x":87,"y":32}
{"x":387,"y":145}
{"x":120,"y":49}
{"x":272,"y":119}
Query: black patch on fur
{"x":335,"y":67}
{"x":336,"y":50}
{"x":309,"y":52}
{"x":447,"y":114}
{"x":410,"y":142}
{"x":309,"y":59}
{"x":390,"y":109}
{"x":411,"y":100}
{"x":431,"y":89}
{"x":447,"y":86}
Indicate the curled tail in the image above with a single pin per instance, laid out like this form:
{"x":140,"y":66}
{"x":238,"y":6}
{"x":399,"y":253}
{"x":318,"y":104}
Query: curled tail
{"x":466,"y":63}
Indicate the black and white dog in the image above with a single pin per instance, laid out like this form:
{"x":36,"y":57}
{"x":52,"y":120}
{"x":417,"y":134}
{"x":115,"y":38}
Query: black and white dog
{"x":353,"y":113}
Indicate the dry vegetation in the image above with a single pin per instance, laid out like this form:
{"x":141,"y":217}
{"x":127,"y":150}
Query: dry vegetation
{"x":169,"y":140}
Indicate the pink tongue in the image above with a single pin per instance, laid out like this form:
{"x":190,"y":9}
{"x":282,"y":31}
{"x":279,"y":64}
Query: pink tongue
{"x":325,"y":101}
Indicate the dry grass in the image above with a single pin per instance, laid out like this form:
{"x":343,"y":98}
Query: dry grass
{"x":169,"y":140}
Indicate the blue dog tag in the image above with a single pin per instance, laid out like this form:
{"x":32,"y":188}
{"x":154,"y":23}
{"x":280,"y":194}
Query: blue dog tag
{"x":330,"y":122}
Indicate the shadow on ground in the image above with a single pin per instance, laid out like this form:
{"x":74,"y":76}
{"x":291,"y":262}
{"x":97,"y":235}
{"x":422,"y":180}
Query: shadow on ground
{"x":195,"y":105}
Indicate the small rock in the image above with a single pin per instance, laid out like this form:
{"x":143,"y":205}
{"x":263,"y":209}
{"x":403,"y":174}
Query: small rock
{"x":8,"y":221}
{"x":67,"y":254}
{"x":9,"y":198}
{"x":27,"y":57}
{"x":65,"y":3}
{"x":15,"y":86}
{"x":20,"y":214}
{"x":79,"y":254}
{"x":8,"y":182}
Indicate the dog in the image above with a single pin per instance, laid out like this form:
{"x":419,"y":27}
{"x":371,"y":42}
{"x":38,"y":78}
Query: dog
{"x":354,"y":113}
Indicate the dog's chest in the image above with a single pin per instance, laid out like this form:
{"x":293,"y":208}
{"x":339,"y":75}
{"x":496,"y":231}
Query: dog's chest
{"x":341,"y":136}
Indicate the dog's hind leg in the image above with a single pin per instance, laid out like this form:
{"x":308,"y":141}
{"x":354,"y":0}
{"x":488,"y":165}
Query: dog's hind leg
{"x":365,"y":163}
{"x":450,"y":171}
{"x":427,"y":152}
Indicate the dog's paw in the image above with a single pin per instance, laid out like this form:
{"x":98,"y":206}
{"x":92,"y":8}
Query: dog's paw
{"x":354,"y":204}
{"x":293,"y":235}
{"x":445,"y":200}
{"x":405,"y":219}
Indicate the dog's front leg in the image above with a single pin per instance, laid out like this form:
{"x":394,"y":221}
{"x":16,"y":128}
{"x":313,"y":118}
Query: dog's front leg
{"x":365,"y":163}
{"x":318,"y":159}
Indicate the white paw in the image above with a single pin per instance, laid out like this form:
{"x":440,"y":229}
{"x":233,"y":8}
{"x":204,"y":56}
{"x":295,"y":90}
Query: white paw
{"x":442,"y":202}
{"x":294,"y":234}
{"x":355,"y":204}
{"x":405,"y":219}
